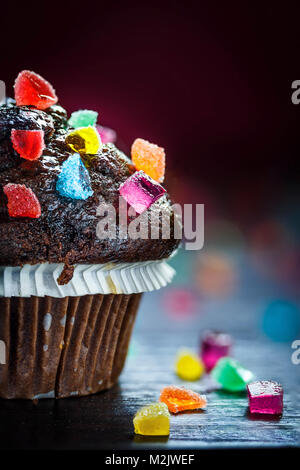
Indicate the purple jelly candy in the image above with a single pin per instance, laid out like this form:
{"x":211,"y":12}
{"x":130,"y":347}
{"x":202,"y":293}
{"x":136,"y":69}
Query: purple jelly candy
{"x":107,"y":134}
{"x":265,"y":397}
{"x":214,"y":346}
{"x":140,"y":191}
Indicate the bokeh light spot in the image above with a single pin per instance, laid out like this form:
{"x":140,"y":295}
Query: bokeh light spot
{"x":281,"y":321}
{"x":216,"y":274}
{"x":180,"y":304}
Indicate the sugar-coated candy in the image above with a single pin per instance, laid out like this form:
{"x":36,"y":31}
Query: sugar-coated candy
{"x":33,"y":90}
{"x":84,"y":140}
{"x":150,"y":158}
{"x":28,"y":144}
{"x":180,"y":399}
{"x":74,"y":179}
{"x":214,"y":345}
{"x":152,"y":420}
{"x":231,"y":375}
{"x":22,"y":202}
{"x":83,"y":118}
{"x":188,"y":365}
{"x":265,"y":397}
{"x":140,"y":191}
{"x":107,"y":135}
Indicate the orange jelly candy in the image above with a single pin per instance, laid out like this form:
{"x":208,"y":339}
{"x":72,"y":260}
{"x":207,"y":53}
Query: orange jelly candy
{"x":180,"y":399}
{"x":150,"y":158}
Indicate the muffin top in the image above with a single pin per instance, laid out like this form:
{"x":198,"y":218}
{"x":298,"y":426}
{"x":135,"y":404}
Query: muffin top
{"x":54,"y":177}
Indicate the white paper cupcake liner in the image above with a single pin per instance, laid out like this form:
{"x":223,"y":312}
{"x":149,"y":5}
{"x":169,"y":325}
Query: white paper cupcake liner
{"x":113,"y":278}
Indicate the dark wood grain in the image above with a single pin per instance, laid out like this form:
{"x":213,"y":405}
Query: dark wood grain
{"x":104,"y":421}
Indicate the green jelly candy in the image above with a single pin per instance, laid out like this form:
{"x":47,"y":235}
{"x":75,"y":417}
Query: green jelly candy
{"x":83,"y":118}
{"x":231,"y":375}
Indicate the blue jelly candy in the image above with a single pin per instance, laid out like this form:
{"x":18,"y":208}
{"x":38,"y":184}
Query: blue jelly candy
{"x":74,"y":179}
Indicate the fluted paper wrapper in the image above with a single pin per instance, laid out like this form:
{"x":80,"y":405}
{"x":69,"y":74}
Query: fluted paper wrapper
{"x":71,"y":340}
{"x":113,"y":278}
{"x":64,"y":347}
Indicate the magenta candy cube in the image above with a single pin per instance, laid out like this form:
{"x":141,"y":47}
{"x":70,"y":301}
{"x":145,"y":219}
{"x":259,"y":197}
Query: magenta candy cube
{"x":214,"y":345}
{"x":265,"y":397}
{"x":107,"y":134}
{"x":140,"y":191}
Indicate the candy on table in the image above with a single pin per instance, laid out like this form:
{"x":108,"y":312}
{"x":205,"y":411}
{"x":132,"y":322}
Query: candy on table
{"x":150,"y":158}
{"x":107,"y":135}
{"x":28,"y":144}
{"x":83,"y":118}
{"x":231,"y":375}
{"x":140,"y":191}
{"x":22,"y":202}
{"x":33,"y":90}
{"x":265,"y":397}
{"x":188,"y":365}
{"x":180,"y":399}
{"x":214,"y":345}
{"x":84,"y":140}
{"x":74,"y":179}
{"x":152,"y":420}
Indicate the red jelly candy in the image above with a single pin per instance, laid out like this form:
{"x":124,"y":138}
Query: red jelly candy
{"x":28,"y":144}
{"x":33,"y":90}
{"x":22,"y":202}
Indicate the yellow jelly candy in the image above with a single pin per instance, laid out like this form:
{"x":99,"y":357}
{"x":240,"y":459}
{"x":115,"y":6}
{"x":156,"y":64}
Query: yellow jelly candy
{"x":188,"y":365}
{"x":152,"y":420}
{"x":84,"y":140}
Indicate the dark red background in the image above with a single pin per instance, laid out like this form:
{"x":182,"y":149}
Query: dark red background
{"x":210,"y":83}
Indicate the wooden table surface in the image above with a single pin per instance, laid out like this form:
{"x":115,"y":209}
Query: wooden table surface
{"x":104,"y":421}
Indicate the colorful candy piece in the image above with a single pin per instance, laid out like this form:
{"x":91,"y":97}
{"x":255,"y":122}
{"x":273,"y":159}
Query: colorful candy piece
{"x":83,"y":118}
{"x":180,"y":399}
{"x":107,"y":135}
{"x":22,"y":202}
{"x":33,"y":90}
{"x":265,"y":397}
{"x":74,"y":179}
{"x":231,"y":375}
{"x":150,"y":158}
{"x":214,"y":346}
{"x":84,"y":140}
{"x":152,"y":420}
{"x":188,"y":365}
{"x":28,"y":144}
{"x":140,"y":191}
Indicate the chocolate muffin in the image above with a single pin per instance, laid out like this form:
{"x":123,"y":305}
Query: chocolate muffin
{"x":69,"y":297}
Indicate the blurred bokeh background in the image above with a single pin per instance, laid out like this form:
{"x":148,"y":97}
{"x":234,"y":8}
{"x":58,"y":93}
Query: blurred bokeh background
{"x":212,"y":84}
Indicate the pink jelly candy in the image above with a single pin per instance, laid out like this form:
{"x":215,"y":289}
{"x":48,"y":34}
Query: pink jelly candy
{"x":107,"y":135}
{"x":140,"y":191}
{"x":265,"y":397}
{"x":214,"y":345}
{"x":33,"y":90}
{"x":28,"y":144}
{"x":22,"y":202}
